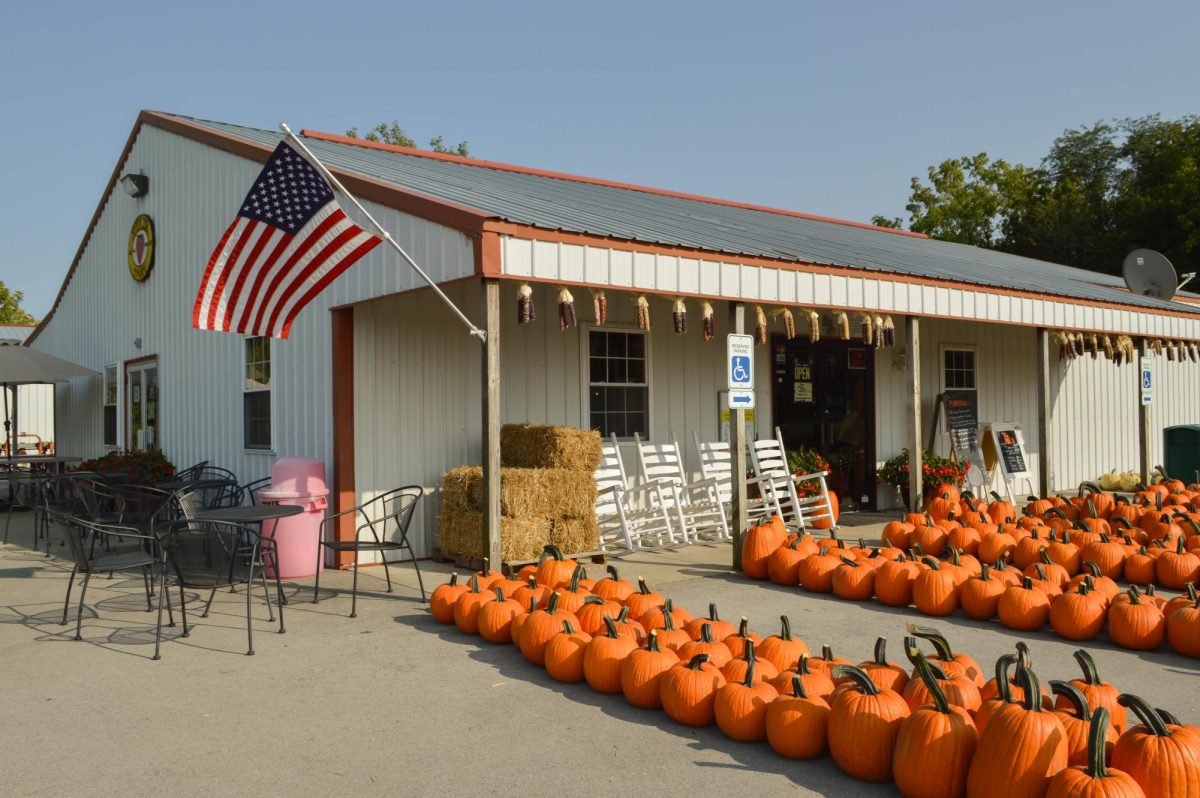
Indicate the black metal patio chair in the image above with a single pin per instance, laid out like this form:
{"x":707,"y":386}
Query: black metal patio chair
{"x":250,"y":489}
{"x":81,"y":537}
{"x":207,"y":555}
{"x":386,"y":518}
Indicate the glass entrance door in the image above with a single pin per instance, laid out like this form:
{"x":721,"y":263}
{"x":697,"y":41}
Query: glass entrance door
{"x":141,"y":403}
{"x":823,"y":398}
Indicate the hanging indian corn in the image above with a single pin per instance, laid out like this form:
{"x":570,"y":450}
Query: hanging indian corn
{"x":1191,"y":347}
{"x":1108,"y":347}
{"x":868,"y":329}
{"x":643,"y":312}
{"x":880,"y":332}
{"x":1078,"y":338}
{"x":679,"y":316}
{"x":760,"y":325}
{"x":1093,"y":345}
{"x":566,"y":310}
{"x":814,"y":326}
{"x":599,"y":306}
{"x":843,"y":323}
{"x":789,"y":324}
{"x":525,"y":311}
{"x":708,"y":325}
{"x":889,"y":332}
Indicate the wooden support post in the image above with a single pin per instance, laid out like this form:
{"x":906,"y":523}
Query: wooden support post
{"x":738,"y":520}
{"x":1144,"y":360}
{"x":912,"y":331}
{"x":1045,"y":461}
{"x":490,"y":390}
{"x":345,"y":494}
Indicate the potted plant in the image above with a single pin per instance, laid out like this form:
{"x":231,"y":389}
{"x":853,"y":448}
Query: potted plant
{"x":144,"y":467}
{"x":935,"y":470}
{"x":803,"y":460}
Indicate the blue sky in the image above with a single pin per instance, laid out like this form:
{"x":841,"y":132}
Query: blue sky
{"x":828,"y":108}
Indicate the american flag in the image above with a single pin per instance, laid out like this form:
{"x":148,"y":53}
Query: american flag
{"x":289,"y":240}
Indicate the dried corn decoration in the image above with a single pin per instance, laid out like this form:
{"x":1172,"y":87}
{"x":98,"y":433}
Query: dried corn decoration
{"x":599,"y":306}
{"x":708,"y":324}
{"x":1157,"y":346}
{"x":1191,"y":347}
{"x":1181,"y":350}
{"x":760,"y":325}
{"x":1125,"y":345}
{"x":1107,"y":343}
{"x":843,"y":323}
{"x":1170,"y":347}
{"x":814,"y":326}
{"x":868,"y":329}
{"x":525,"y":311}
{"x":1079,"y":349}
{"x":889,"y":332}
{"x":566,"y":310}
{"x":643,"y":312}
{"x":679,"y":316}
{"x":1060,"y":338}
{"x":789,"y":323}
{"x":1093,"y":345}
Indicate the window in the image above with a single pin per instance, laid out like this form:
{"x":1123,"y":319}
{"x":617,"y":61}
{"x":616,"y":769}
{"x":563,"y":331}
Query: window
{"x":256,"y":396}
{"x":618,"y":393}
{"x":110,"y":405}
{"x":958,"y":366}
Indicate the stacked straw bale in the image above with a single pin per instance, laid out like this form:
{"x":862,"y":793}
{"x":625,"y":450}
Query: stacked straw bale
{"x":547,"y":495}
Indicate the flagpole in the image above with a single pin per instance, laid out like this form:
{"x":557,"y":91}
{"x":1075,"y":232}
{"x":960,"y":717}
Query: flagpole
{"x":384,"y":234}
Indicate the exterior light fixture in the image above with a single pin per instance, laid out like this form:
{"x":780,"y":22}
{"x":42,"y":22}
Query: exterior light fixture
{"x":135,"y":185}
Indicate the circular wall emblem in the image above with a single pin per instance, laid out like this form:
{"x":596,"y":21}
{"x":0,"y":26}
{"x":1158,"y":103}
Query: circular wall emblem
{"x":141,"y":247}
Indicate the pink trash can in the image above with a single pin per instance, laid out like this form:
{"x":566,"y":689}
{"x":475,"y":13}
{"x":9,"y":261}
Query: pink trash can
{"x":297,"y":481}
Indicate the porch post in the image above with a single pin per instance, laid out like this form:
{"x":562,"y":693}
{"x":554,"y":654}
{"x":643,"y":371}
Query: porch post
{"x":490,"y":384}
{"x":1143,"y":413}
{"x":737,"y":452}
{"x":912,"y":331}
{"x":1045,"y":458}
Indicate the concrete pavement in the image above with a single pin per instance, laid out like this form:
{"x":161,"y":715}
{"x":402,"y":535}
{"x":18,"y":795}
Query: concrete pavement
{"x":392,"y":703}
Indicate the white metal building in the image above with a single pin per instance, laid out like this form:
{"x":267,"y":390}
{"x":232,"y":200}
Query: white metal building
{"x":30,"y":407}
{"x":383,"y":384}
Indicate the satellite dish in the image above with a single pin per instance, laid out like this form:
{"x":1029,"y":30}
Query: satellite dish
{"x":1149,"y":273}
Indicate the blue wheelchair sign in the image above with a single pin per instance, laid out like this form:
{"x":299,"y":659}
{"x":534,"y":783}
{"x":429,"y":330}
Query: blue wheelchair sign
{"x":739,"y":370}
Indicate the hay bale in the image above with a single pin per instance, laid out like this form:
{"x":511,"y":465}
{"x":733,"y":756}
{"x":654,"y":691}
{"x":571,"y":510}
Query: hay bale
{"x":575,"y":535}
{"x":461,"y":534}
{"x":546,"y":446}
{"x":542,"y":492}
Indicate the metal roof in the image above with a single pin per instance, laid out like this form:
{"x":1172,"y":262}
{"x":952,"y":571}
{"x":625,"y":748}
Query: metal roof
{"x":642,"y":215}
{"x":14,"y":333}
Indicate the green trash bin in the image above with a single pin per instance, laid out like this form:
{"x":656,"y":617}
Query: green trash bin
{"x":1181,"y":452}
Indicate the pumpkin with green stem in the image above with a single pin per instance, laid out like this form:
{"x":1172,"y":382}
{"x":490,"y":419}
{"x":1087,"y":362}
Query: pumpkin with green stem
{"x":935,"y":744}
{"x":532,"y":590}
{"x":979,"y":595}
{"x":853,"y":581}
{"x":1028,"y":550}
{"x":782,"y":649}
{"x":797,"y":723}
{"x":603,"y":658}
{"x":518,"y":623}
{"x":613,"y":587}
{"x":946,"y":658}
{"x":1137,"y":624}
{"x":1107,"y":554}
{"x":466,"y":609}
{"x":670,"y":636}
{"x":758,"y":544}
{"x":736,"y":643}
{"x":999,"y":696}
{"x":1177,"y":567}
{"x":886,"y":675}
{"x":688,"y":691}
{"x":816,"y":682}
{"x":1187,"y":599}
{"x":1024,"y":607}
{"x":441,"y":603}
{"x":1076,"y":717}
{"x":1022,"y":747}
{"x":556,"y":570}
{"x":816,"y":571}
{"x":591,"y":613}
{"x":496,"y":618}
{"x":740,"y":708}
{"x":1104,"y":587}
{"x":1164,"y":761}
{"x":643,"y":600}
{"x":541,"y":625}
{"x":628,"y":627}
{"x":654,"y":618}
{"x":935,"y":591}
{"x":783,"y":566}
{"x":487,"y":577}
{"x":735,"y":669}
{"x":1094,"y":778}
{"x":863,"y":724}
{"x":1050,"y":571}
{"x":717,"y":629}
{"x":717,"y":653}
{"x":827,"y":662}
{"x":572,"y":595}
{"x":956,"y":687}
{"x":1183,"y":629}
{"x":1098,"y":692}
{"x":564,"y":654}
{"x":894,"y":582}
{"x":1078,"y":615}
{"x":643,"y":670}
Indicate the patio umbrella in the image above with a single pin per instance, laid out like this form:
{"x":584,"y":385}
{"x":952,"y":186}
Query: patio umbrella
{"x":21,"y":365}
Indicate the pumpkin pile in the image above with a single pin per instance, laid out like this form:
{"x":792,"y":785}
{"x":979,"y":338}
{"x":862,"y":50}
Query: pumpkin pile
{"x":1062,"y":565}
{"x":937,"y":730}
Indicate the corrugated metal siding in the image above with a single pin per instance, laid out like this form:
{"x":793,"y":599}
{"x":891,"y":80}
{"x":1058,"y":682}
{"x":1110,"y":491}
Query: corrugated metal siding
{"x":669,"y":274}
{"x":633,"y":215}
{"x":194,"y":193}
{"x":417,"y":411}
{"x":34,"y":408}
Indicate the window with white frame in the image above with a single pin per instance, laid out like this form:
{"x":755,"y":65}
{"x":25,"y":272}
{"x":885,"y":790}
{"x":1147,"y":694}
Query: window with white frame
{"x":256,"y":394}
{"x":958,"y":368}
{"x":110,"y":406}
{"x":618,"y":390}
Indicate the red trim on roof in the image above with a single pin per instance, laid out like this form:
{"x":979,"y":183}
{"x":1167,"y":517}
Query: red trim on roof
{"x":595,"y":181}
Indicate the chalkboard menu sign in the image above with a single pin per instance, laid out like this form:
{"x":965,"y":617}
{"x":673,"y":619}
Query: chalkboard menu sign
{"x":1006,"y":446}
{"x":962,"y":419}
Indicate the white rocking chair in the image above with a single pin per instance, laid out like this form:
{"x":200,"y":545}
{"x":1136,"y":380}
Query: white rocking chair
{"x":769,"y":459}
{"x":698,"y":505}
{"x":630,"y":519}
{"x":716,"y":462}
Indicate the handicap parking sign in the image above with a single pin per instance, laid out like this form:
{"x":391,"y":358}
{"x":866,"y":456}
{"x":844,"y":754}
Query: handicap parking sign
{"x":740,"y":351}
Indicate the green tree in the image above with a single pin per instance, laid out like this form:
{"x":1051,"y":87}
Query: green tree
{"x":394,"y":134}
{"x":1100,"y":192}
{"x":10,"y":307}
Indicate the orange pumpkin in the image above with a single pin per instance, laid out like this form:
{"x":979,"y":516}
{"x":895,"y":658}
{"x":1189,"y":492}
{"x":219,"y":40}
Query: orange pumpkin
{"x":797,"y":724}
{"x":758,"y":544}
{"x":864,"y":722}
{"x":688,"y":691}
